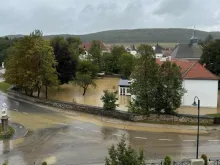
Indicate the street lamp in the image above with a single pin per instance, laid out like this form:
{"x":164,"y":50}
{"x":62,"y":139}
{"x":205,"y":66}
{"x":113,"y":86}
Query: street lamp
{"x":195,"y":104}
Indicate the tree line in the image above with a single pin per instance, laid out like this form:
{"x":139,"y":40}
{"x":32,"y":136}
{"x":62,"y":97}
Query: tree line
{"x":34,"y":64}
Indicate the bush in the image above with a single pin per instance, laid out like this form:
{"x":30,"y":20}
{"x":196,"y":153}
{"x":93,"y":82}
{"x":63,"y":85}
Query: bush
{"x":109,"y":100}
{"x":44,"y":163}
{"x":167,"y":160}
{"x":5,"y":163}
{"x":204,"y":157}
{"x":9,"y":133}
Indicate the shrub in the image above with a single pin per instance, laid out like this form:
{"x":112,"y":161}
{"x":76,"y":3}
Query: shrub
{"x":5,"y":163}
{"x":204,"y":157}
{"x":167,"y":160}
{"x":109,"y":100}
{"x":9,"y":134}
{"x":44,"y":163}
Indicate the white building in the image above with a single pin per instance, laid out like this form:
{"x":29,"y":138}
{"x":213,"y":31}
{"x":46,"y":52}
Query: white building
{"x":158,"y":51}
{"x":197,"y":81}
{"x":124,"y":87}
{"x":132,"y":50}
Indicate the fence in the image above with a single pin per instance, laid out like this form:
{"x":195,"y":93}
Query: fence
{"x":214,"y":161}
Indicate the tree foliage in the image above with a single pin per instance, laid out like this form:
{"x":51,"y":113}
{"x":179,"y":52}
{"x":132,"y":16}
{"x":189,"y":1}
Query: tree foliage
{"x":169,"y":90}
{"x":66,"y":52}
{"x":156,"y":88}
{"x":5,"y":43}
{"x":84,"y":80}
{"x":167,"y":160}
{"x":109,"y":99}
{"x":124,"y":155}
{"x":207,"y":40}
{"x":126,"y":63}
{"x":95,"y":51}
{"x":86,"y":66}
{"x":31,"y":64}
{"x":108,"y":63}
{"x":116,"y":53}
{"x":211,"y":57}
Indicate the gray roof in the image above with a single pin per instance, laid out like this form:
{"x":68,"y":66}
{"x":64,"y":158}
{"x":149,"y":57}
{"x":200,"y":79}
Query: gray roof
{"x":187,"y":51}
{"x":123,"y":82}
{"x":158,"y":49}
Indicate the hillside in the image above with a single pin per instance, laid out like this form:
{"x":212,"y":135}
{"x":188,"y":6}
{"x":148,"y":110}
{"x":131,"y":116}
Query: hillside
{"x":171,"y":35}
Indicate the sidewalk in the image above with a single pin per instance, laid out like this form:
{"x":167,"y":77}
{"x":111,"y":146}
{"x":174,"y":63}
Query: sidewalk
{"x":115,"y":123}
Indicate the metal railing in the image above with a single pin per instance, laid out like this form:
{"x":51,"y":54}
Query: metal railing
{"x":158,"y":163}
{"x":185,"y":162}
{"x":214,"y":161}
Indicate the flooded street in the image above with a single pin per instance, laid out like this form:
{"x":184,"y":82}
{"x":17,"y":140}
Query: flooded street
{"x":71,"y":93}
{"x":77,"y":138}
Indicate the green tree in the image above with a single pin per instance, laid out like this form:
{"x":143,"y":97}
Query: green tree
{"x":86,"y":66}
{"x":169,"y":92}
{"x":124,"y":155}
{"x":84,"y":80}
{"x":108,"y":62}
{"x":145,"y":76}
{"x":211,"y":57}
{"x":5,"y":43}
{"x":207,"y":40}
{"x":66,"y":52}
{"x":31,"y":63}
{"x":116,"y":52}
{"x":204,"y":157}
{"x":167,"y":160}
{"x":96,"y":52}
{"x":109,"y":99}
{"x":126,"y":63}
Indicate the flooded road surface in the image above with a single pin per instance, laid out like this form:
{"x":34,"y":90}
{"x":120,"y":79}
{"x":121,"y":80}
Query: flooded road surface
{"x":71,"y":93}
{"x":63,"y":139}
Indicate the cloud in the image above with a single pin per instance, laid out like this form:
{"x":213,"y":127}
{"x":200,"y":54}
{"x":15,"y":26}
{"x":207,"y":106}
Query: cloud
{"x":86,"y":16}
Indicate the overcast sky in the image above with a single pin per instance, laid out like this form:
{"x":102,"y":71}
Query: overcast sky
{"x":86,"y":16}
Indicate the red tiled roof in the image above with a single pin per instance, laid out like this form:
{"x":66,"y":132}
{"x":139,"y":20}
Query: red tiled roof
{"x":192,"y":70}
{"x":104,"y":46}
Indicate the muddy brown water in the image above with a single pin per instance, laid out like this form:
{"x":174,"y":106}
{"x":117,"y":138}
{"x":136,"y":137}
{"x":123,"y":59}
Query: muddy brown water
{"x":71,"y":93}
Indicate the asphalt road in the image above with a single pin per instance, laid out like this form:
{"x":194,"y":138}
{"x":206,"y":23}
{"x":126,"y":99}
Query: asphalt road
{"x":62,"y":139}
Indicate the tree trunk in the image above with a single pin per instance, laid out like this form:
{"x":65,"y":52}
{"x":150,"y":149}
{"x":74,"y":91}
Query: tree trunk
{"x":38,"y":92}
{"x":84,"y":91}
{"x":46,"y":91}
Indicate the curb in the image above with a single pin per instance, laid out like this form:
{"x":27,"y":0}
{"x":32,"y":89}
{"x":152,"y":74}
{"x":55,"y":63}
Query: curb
{"x":190,"y":128}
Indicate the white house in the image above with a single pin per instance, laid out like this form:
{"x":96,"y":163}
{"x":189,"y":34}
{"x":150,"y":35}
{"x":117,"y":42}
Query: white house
{"x":158,"y":51}
{"x":132,"y":50}
{"x":124,"y":87}
{"x":197,"y":81}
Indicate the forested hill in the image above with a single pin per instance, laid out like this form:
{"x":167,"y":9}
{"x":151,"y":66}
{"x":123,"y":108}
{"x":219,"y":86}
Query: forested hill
{"x":171,"y":35}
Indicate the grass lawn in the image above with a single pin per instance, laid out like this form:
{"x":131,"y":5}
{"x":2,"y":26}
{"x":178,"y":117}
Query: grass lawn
{"x":8,"y":135}
{"x":4,"y":86}
{"x":215,"y":115}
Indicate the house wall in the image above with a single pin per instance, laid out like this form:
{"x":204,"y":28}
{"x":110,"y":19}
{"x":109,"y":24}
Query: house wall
{"x":126,"y":90}
{"x":159,"y":55}
{"x":133,"y":52}
{"x":206,"y":90}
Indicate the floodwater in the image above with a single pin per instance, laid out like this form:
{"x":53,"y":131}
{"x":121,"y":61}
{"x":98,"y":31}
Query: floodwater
{"x":71,"y":93}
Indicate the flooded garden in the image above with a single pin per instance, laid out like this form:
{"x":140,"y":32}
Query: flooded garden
{"x":71,"y":93}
